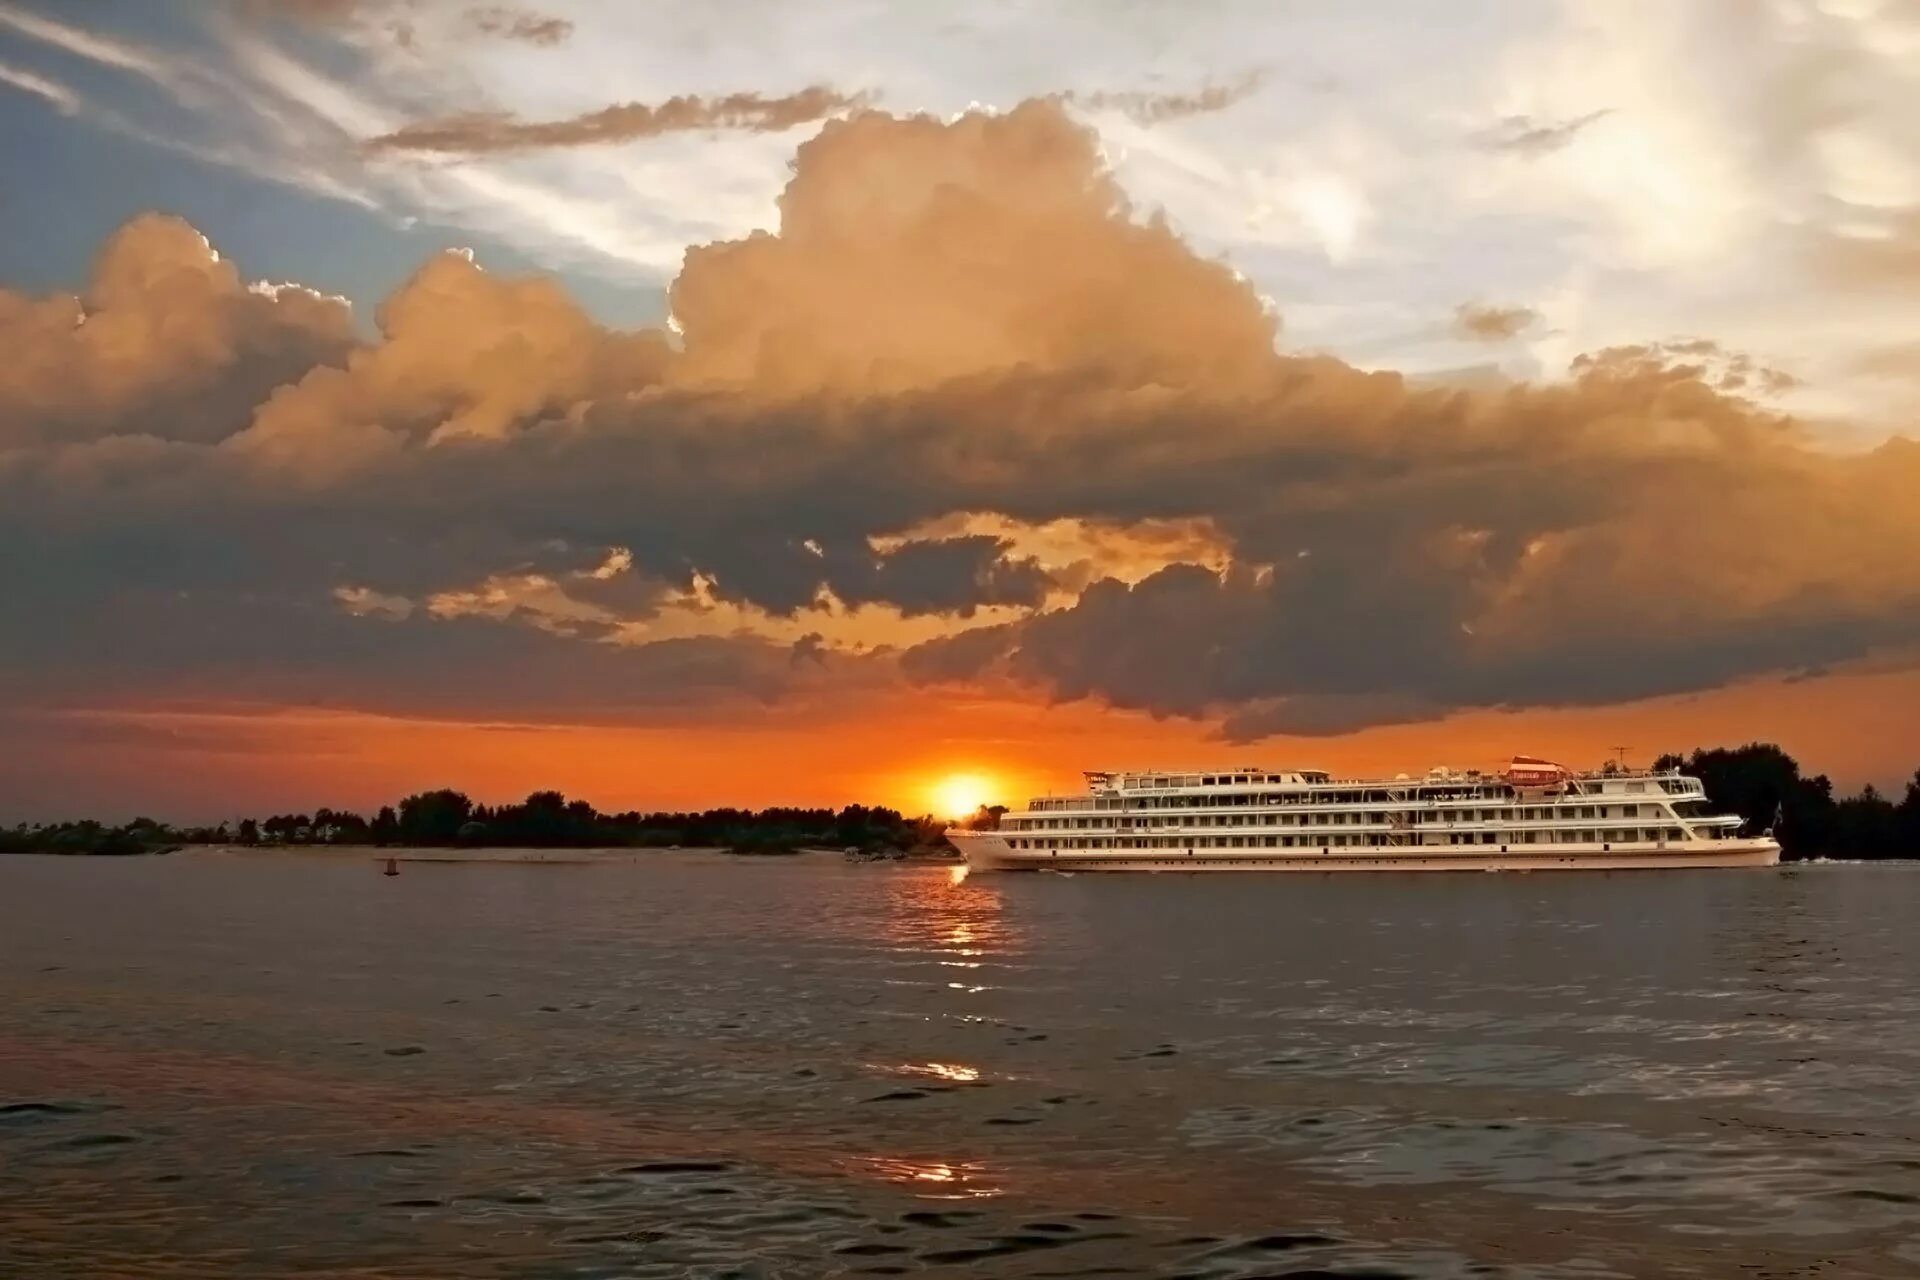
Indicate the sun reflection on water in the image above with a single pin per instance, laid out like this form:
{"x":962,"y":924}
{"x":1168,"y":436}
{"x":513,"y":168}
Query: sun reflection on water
{"x":937,"y":1179}
{"x":942,"y":1070}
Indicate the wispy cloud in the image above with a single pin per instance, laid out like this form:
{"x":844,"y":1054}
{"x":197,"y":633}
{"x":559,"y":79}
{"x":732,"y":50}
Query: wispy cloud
{"x":81,"y":43}
{"x":507,"y":22}
{"x":625,"y":122}
{"x":518,"y":24}
{"x":1526,"y":136}
{"x":1144,"y":107}
{"x":63,"y":99}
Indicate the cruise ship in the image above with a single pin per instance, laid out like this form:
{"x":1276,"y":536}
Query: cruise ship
{"x":1533,"y":815}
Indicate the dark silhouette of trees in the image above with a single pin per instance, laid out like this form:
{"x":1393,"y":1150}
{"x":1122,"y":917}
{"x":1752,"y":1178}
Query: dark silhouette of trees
{"x":1762,"y":784}
{"x":434,"y":817}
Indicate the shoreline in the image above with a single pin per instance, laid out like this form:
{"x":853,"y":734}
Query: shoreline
{"x":581,"y":855}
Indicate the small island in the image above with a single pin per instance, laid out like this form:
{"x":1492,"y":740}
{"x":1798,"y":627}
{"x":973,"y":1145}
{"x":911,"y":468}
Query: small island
{"x":1759,"y":781}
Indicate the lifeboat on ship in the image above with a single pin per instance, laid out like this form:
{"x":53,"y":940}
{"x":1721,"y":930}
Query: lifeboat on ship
{"x":1532,"y":774}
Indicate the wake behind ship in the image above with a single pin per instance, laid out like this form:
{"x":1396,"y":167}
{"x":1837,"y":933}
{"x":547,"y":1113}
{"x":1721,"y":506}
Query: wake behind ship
{"x":1532,"y":816}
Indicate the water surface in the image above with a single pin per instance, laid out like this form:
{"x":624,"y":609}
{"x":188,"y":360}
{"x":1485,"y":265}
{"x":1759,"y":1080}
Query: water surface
{"x":244,"y":1065}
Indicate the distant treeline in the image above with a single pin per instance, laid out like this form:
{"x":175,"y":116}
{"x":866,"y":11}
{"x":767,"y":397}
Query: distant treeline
{"x":1760,"y":782}
{"x":546,"y":820}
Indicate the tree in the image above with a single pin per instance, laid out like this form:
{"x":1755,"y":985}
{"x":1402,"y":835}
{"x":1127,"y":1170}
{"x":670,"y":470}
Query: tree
{"x":1908,"y":818}
{"x":1866,"y":826}
{"x":434,"y":817}
{"x":1762,"y":784}
{"x":985,"y":818}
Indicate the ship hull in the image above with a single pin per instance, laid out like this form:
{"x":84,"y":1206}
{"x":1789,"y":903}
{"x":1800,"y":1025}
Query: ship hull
{"x":987,"y":851}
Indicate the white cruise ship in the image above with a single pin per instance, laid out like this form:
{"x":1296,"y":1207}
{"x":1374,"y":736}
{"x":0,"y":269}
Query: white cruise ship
{"x":1532,"y":816}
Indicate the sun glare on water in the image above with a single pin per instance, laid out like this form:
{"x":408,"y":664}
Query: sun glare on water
{"x":960,"y":794}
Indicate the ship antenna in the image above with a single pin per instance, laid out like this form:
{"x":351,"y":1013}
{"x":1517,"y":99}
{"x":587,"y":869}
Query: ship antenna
{"x":1620,"y":758}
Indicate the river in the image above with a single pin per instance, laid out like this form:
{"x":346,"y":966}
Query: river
{"x":227,"y":1064}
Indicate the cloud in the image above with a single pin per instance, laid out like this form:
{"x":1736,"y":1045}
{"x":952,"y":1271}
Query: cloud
{"x":914,"y":251}
{"x":317,"y":11}
{"x":1483,"y":322}
{"x":1530,"y":138}
{"x":87,"y":45}
{"x":518,"y":24}
{"x":63,"y":99}
{"x":1147,"y":108}
{"x":1882,"y":253}
{"x":1899,"y":362}
{"x":505,"y":21}
{"x":965,"y":415}
{"x":483,"y":133}
{"x":167,"y":342}
{"x":403,"y":25}
{"x":463,"y":355}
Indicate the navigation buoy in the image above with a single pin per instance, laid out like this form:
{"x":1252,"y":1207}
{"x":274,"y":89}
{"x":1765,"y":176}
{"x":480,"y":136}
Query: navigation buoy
{"x":393,"y":868}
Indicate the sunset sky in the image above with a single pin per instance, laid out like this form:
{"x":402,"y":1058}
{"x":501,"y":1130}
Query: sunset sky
{"x":762,"y":402}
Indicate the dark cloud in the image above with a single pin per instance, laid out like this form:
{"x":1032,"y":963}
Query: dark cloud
{"x":488,"y":132}
{"x":496,"y":506}
{"x":1526,"y":136}
{"x":940,"y":576}
{"x":1482,"y":322}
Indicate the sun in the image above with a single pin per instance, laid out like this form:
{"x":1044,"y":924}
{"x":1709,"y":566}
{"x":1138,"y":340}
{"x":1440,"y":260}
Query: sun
{"x":959,"y":794}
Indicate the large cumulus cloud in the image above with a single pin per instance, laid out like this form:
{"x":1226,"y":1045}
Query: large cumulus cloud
{"x":166,"y":341}
{"x":847,"y":464}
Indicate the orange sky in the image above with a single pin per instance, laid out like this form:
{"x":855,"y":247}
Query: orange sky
{"x":199,"y":764}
